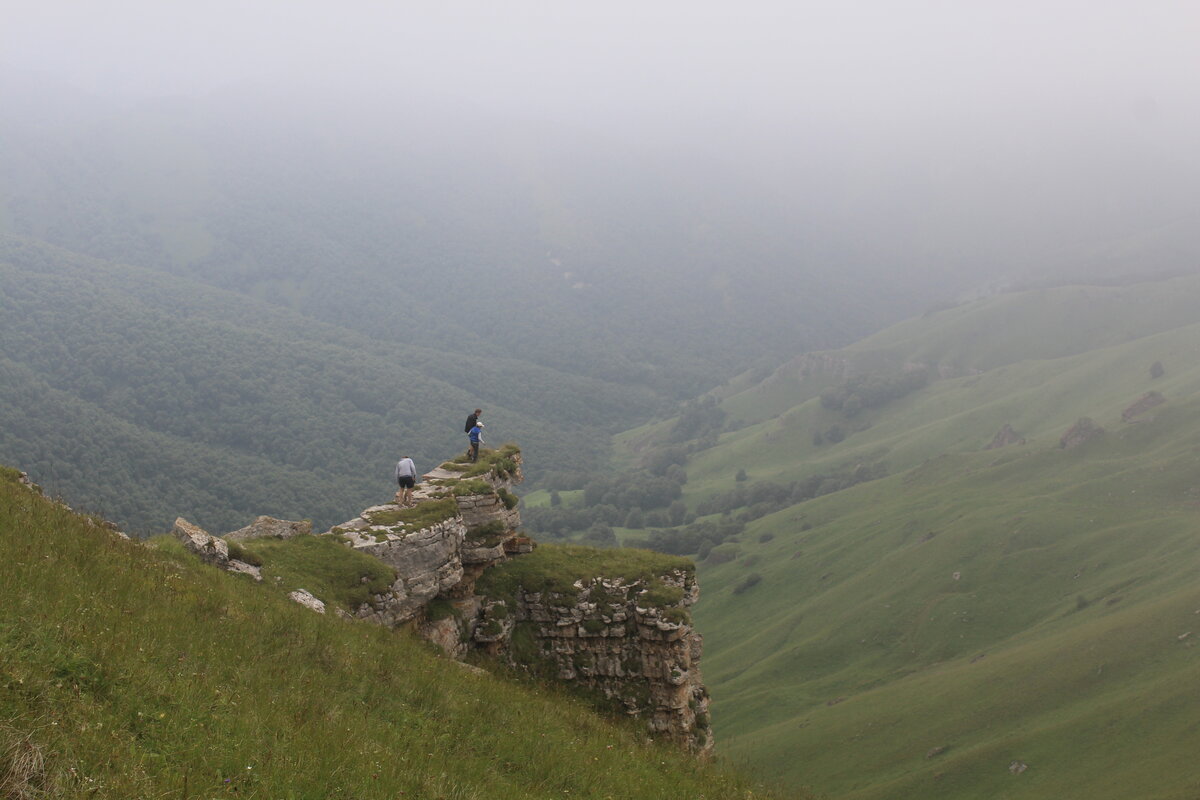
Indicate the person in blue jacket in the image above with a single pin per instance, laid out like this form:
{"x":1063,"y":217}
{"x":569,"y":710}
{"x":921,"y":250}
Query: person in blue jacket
{"x":476,"y":436}
{"x":471,"y":420}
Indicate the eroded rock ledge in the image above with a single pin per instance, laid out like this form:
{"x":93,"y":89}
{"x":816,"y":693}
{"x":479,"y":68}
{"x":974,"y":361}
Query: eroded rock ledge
{"x":614,"y":623}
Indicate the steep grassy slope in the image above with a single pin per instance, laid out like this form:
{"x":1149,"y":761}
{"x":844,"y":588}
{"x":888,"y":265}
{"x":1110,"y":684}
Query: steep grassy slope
{"x":127,"y":672}
{"x":1071,"y":571}
{"x":1059,"y":379}
{"x":917,"y":635}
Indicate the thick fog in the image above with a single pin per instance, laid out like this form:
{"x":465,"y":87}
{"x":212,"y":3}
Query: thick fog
{"x":987,"y":138}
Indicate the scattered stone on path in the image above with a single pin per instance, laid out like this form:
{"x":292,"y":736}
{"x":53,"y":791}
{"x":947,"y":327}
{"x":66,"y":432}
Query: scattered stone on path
{"x":1017,"y":767}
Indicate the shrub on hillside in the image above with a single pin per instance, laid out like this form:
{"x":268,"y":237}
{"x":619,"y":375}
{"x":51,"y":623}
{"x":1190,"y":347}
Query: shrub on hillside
{"x":749,"y":582}
{"x":872,"y":390}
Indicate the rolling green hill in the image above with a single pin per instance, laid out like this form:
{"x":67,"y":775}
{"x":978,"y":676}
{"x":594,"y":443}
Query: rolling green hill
{"x":1022,"y":359}
{"x":127,"y":671}
{"x":1030,"y":607}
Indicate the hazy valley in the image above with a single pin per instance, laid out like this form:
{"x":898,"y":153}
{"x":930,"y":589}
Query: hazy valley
{"x":849,"y":363}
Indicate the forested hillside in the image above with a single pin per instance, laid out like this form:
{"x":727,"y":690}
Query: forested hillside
{"x":144,"y":396}
{"x":225,"y":319}
{"x":289,"y":298}
{"x":587,"y":257}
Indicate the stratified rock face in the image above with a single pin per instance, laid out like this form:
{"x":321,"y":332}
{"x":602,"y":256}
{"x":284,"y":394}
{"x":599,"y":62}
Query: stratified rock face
{"x":484,"y":509}
{"x":1144,"y":403}
{"x":446,"y":628}
{"x":609,"y":638}
{"x":211,"y":549}
{"x":428,"y":562}
{"x":491,"y":527}
{"x":271,"y":528}
{"x":627,"y":640}
{"x":442,"y":559}
{"x":1082,"y":431}
{"x":1005,"y":437}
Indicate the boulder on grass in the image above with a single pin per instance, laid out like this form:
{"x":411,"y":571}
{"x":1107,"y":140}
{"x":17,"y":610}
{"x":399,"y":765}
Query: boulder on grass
{"x":271,"y":528}
{"x":210,"y":549}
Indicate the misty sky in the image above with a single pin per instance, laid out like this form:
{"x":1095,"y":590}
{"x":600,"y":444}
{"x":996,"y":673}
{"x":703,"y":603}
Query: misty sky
{"x":653,"y":64}
{"x":986,"y":108}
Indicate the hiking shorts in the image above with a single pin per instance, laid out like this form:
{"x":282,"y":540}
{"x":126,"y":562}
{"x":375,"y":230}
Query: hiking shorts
{"x":407,"y":481}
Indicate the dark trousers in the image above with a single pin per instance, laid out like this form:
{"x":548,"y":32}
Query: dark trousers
{"x":474,"y":451}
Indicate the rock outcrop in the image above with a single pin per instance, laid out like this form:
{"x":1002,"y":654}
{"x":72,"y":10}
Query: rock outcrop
{"x":1004,"y":437}
{"x":628,"y":640}
{"x":1144,"y":403}
{"x":307,"y":599}
{"x":210,"y":549}
{"x":428,"y":563}
{"x":458,"y":527}
{"x":611,"y":637}
{"x":1082,"y":431}
{"x":270,"y":528}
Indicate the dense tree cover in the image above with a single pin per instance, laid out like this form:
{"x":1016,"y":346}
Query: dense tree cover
{"x":415,"y":237}
{"x":144,"y":396}
{"x":289,"y":307}
{"x":700,"y":420}
{"x":698,"y":537}
{"x":609,"y":498}
{"x":767,"y":497}
{"x":750,"y":502}
{"x":872,"y":390}
{"x":651,"y":499}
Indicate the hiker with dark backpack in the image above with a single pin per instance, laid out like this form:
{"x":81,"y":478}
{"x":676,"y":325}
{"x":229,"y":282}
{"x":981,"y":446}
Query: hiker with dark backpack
{"x":471,"y":421}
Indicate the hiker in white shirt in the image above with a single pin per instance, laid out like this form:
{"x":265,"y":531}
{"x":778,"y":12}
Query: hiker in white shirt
{"x":406,"y":476}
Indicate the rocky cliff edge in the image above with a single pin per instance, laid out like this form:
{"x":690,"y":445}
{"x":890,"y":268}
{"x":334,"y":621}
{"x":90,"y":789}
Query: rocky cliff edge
{"x":456,"y":568}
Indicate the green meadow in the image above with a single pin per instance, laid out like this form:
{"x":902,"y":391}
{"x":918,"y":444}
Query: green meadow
{"x":1018,"y":622}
